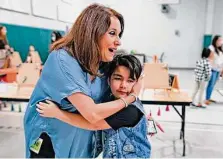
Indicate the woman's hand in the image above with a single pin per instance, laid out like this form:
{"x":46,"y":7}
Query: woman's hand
{"x":48,"y":109}
{"x":138,"y":85}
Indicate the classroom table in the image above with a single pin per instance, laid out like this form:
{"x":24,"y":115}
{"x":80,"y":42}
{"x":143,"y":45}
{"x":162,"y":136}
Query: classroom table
{"x":13,"y":92}
{"x":169,"y":97}
{"x":11,"y":73}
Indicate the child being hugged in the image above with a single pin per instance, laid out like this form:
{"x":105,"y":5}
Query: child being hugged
{"x":125,"y":132}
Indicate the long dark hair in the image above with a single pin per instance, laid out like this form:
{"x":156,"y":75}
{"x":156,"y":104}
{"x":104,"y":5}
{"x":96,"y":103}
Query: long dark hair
{"x":82,"y":42}
{"x":3,"y":37}
{"x":206,"y":53}
{"x":214,"y":41}
{"x":57,"y":35}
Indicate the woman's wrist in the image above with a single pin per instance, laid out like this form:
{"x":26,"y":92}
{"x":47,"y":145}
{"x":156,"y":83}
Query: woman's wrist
{"x":134,"y":95}
{"x":129,"y":99}
{"x":125,"y":102}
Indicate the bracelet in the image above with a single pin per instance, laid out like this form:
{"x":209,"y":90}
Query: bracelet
{"x":126,"y":104}
{"x":134,"y":95}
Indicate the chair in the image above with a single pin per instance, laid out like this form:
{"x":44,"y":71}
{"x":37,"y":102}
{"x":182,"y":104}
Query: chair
{"x":15,"y":60}
{"x":28,"y":74}
{"x":156,"y":76}
{"x":36,"y":58}
{"x":33,"y":56}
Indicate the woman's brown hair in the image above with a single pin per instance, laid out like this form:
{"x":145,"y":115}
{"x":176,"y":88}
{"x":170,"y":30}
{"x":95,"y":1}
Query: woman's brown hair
{"x":82,"y":42}
{"x":3,"y":37}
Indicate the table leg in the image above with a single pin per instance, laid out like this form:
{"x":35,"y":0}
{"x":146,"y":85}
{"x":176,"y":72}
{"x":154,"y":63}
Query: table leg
{"x":182,"y":132}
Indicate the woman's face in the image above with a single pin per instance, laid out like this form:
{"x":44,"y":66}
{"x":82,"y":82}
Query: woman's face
{"x":219,"y":42}
{"x":120,"y":82}
{"x":110,"y":41}
{"x":4,"y":31}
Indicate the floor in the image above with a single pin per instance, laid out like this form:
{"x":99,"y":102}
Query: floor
{"x":204,"y":128}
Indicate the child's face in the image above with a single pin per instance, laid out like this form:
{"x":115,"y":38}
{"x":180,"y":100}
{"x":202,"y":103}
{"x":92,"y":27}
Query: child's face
{"x":120,"y":82}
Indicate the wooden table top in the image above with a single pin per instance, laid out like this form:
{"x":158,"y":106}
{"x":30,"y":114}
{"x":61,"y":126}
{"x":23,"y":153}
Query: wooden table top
{"x":11,"y":92}
{"x":163,"y":96}
{"x":16,"y":69}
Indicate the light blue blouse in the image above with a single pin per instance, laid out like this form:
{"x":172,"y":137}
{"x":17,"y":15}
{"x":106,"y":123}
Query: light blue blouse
{"x":61,"y":77}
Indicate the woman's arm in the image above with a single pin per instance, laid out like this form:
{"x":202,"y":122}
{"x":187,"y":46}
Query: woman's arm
{"x":96,"y":112}
{"x":51,"y":110}
{"x":127,"y":117}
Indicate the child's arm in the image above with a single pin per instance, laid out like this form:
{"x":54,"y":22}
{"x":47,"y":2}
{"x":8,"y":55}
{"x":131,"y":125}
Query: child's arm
{"x":51,"y":110}
{"x":207,"y":70}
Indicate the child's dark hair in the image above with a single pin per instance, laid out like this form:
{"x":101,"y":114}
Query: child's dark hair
{"x":206,"y":53}
{"x":127,"y":60}
{"x":214,"y":43}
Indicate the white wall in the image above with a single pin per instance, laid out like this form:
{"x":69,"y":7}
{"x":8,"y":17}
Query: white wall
{"x":50,"y":14}
{"x":147,"y":30}
{"x":218,"y":18}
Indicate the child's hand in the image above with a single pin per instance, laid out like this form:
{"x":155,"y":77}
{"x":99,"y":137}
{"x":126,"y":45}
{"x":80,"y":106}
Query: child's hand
{"x":48,"y":109}
{"x":138,"y":86}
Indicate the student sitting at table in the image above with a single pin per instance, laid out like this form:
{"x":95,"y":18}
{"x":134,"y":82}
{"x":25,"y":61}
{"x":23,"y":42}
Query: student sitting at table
{"x":4,"y":59}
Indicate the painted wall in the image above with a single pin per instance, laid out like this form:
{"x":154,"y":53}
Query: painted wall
{"x":218,"y":18}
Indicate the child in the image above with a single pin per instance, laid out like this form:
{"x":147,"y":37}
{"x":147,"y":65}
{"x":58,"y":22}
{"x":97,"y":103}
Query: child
{"x":202,"y":75}
{"x":126,"y":131}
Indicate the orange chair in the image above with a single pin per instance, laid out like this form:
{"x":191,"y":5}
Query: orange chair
{"x":11,"y":74}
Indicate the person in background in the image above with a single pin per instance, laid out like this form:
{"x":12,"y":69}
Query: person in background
{"x":4,"y":58}
{"x":56,"y":35}
{"x":73,"y":77}
{"x":9,"y":49}
{"x":202,"y":76}
{"x":216,"y":64}
{"x":3,"y":37}
{"x":124,"y":129}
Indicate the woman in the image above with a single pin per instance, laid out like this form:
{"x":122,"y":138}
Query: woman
{"x":4,"y":58}
{"x":216,"y":64}
{"x":126,"y":130}
{"x":71,"y":77}
{"x":3,"y":37}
